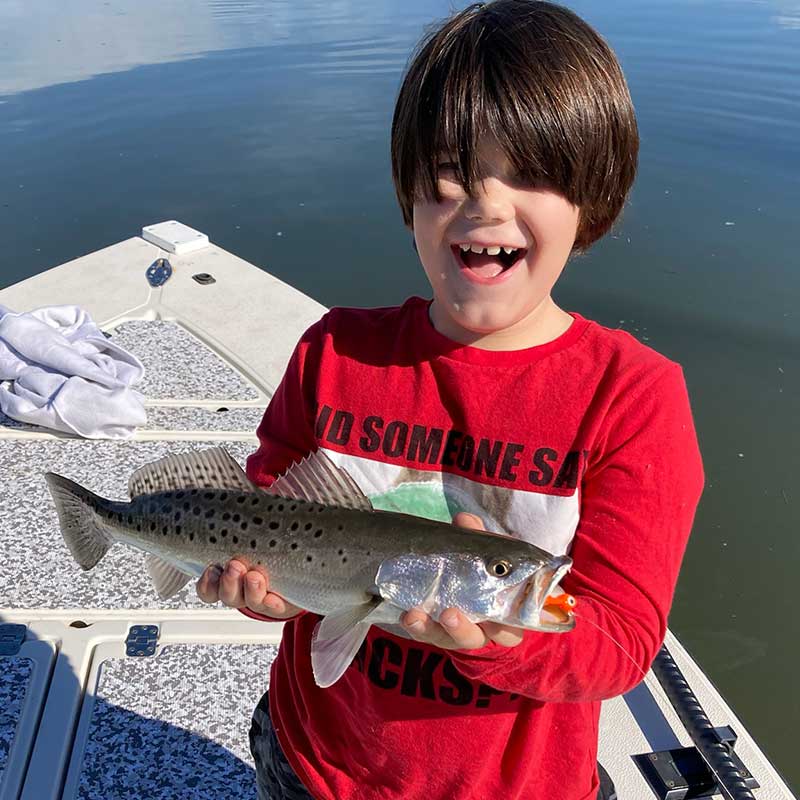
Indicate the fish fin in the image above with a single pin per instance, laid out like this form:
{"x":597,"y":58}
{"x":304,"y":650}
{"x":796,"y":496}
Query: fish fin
{"x":214,"y":468}
{"x":318,"y":479}
{"x":86,"y":539}
{"x":338,"y":636}
{"x":167,"y":579}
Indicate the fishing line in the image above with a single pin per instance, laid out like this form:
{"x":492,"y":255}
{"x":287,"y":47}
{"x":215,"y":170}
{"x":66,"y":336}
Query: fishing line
{"x":741,"y":792}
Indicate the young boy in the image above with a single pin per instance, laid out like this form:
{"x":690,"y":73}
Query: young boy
{"x":514,"y":144}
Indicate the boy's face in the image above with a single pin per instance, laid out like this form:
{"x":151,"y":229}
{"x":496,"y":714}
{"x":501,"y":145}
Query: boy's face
{"x":501,"y":300}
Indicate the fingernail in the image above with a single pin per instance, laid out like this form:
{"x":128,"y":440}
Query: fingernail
{"x":449,"y":620}
{"x":253,"y":582}
{"x":215,"y":574}
{"x":234,"y":570}
{"x":415,"y":626}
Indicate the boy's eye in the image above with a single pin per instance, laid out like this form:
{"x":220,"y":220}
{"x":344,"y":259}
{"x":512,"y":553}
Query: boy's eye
{"x":447,"y":166}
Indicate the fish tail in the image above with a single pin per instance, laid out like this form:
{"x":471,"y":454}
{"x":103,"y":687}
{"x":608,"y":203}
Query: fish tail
{"x":84,"y":533}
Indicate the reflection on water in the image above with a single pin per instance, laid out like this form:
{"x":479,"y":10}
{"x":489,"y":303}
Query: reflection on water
{"x":266,"y":125}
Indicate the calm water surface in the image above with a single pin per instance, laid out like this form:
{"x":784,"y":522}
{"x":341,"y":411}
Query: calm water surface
{"x":266,"y":125}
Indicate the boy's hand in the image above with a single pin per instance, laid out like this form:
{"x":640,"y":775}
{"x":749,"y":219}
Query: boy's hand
{"x":454,"y":631}
{"x":237,"y":586}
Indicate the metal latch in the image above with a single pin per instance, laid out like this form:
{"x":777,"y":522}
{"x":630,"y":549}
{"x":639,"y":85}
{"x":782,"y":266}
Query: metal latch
{"x":12,"y":635}
{"x":682,"y":772}
{"x":141,"y":640}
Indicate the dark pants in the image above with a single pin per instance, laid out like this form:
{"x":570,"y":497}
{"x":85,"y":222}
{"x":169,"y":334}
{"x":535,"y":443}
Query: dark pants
{"x":277,"y":781}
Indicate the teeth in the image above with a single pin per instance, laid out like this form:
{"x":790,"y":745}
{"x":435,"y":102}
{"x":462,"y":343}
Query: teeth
{"x":494,"y":250}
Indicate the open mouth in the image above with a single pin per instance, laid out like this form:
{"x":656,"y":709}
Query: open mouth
{"x":487,"y":264}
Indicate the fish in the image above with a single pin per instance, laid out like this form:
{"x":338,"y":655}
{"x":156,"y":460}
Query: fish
{"x":323,"y":545}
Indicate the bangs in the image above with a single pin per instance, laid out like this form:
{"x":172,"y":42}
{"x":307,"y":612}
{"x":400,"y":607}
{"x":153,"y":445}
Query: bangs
{"x":543,"y":84}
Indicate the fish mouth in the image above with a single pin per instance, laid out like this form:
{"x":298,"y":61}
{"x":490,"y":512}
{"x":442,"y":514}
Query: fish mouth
{"x":532,"y":610}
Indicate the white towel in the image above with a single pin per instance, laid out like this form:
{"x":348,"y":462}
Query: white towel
{"x":59,"y":371}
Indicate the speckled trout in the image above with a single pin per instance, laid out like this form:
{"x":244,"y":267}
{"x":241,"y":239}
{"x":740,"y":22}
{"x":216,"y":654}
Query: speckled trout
{"x":323,"y":545}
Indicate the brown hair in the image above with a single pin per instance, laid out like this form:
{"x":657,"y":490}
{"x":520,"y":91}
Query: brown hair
{"x":543,"y":83}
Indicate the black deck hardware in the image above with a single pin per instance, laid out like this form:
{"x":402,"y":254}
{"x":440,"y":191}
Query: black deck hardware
{"x":12,"y":635}
{"x":159,"y":272}
{"x":713,"y":745}
{"x":141,"y":640}
{"x":204,"y":278}
{"x":683,"y":773}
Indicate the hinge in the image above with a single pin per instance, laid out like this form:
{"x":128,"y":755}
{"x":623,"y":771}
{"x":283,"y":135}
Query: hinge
{"x":141,"y":640}
{"x":12,"y":635}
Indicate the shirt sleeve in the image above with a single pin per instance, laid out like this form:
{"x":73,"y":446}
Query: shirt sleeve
{"x":286,"y":431}
{"x":638,"y":500}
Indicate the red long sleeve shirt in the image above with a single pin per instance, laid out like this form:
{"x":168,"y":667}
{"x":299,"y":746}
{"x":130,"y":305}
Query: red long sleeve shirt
{"x":582,"y":445}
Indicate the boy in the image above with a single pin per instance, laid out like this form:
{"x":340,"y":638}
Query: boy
{"x":514,"y":143}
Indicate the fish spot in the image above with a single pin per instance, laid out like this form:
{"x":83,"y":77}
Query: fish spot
{"x":236,"y":517}
{"x":280,"y":506}
{"x":212,"y":525}
{"x":187,"y":506}
{"x":196,"y":511}
{"x":223,"y":496}
{"x":272,"y":542}
{"x":344,"y":560}
{"x":293,"y":545}
{"x":320,"y":509}
{"x":193,"y":492}
{"x":212,"y":539}
{"x":164,"y":531}
{"x":191,"y":536}
{"x":223,"y":532}
{"x":235,"y":539}
{"x":341,"y":552}
{"x":209,"y":513}
{"x":273,"y":526}
{"x":152,"y":526}
{"x":226,"y":516}
{"x":130,"y":519}
{"x":322,"y":564}
{"x":255,"y":501}
{"x":293,"y":507}
{"x":253,"y":543}
{"x":257,"y":520}
{"x":241,"y":498}
{"x":209,"y":495}
{"x":340,"y":527}
{"x":295,"y":526}
{"x":243,"y":526}
{"x":309,"y":558}
{"x":318,"y":533}
{"x":177,"y":515}
{"x":269,"y":508}
{"x":178,"y":529}
{"x":308,"y":526}
{"x":138,"y":527}
{"x":180,"y":495}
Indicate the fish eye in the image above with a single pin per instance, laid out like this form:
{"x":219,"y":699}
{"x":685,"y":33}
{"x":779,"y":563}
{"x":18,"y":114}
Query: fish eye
{"x":499,"y":568}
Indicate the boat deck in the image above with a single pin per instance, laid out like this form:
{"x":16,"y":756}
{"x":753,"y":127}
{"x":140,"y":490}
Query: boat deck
{"x":110,"y":692}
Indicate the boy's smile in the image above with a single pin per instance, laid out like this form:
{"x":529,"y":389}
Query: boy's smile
{"x":492,"y":259}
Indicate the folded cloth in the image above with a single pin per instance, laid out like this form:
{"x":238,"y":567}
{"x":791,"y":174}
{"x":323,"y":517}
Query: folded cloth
{"x":59,"y":371}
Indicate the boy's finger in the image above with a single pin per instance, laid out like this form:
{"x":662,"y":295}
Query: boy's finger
{"x":230,"y":584}
{"x":207,"y":586}
{"x":502,"y":634}
{"x":466,"y":520}
{"x":465,"y":634}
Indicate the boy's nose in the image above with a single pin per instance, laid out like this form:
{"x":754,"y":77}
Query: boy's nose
{"x":490,"y":202}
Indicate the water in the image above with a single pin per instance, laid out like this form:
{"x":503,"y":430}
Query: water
{"x":266,"y":125}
